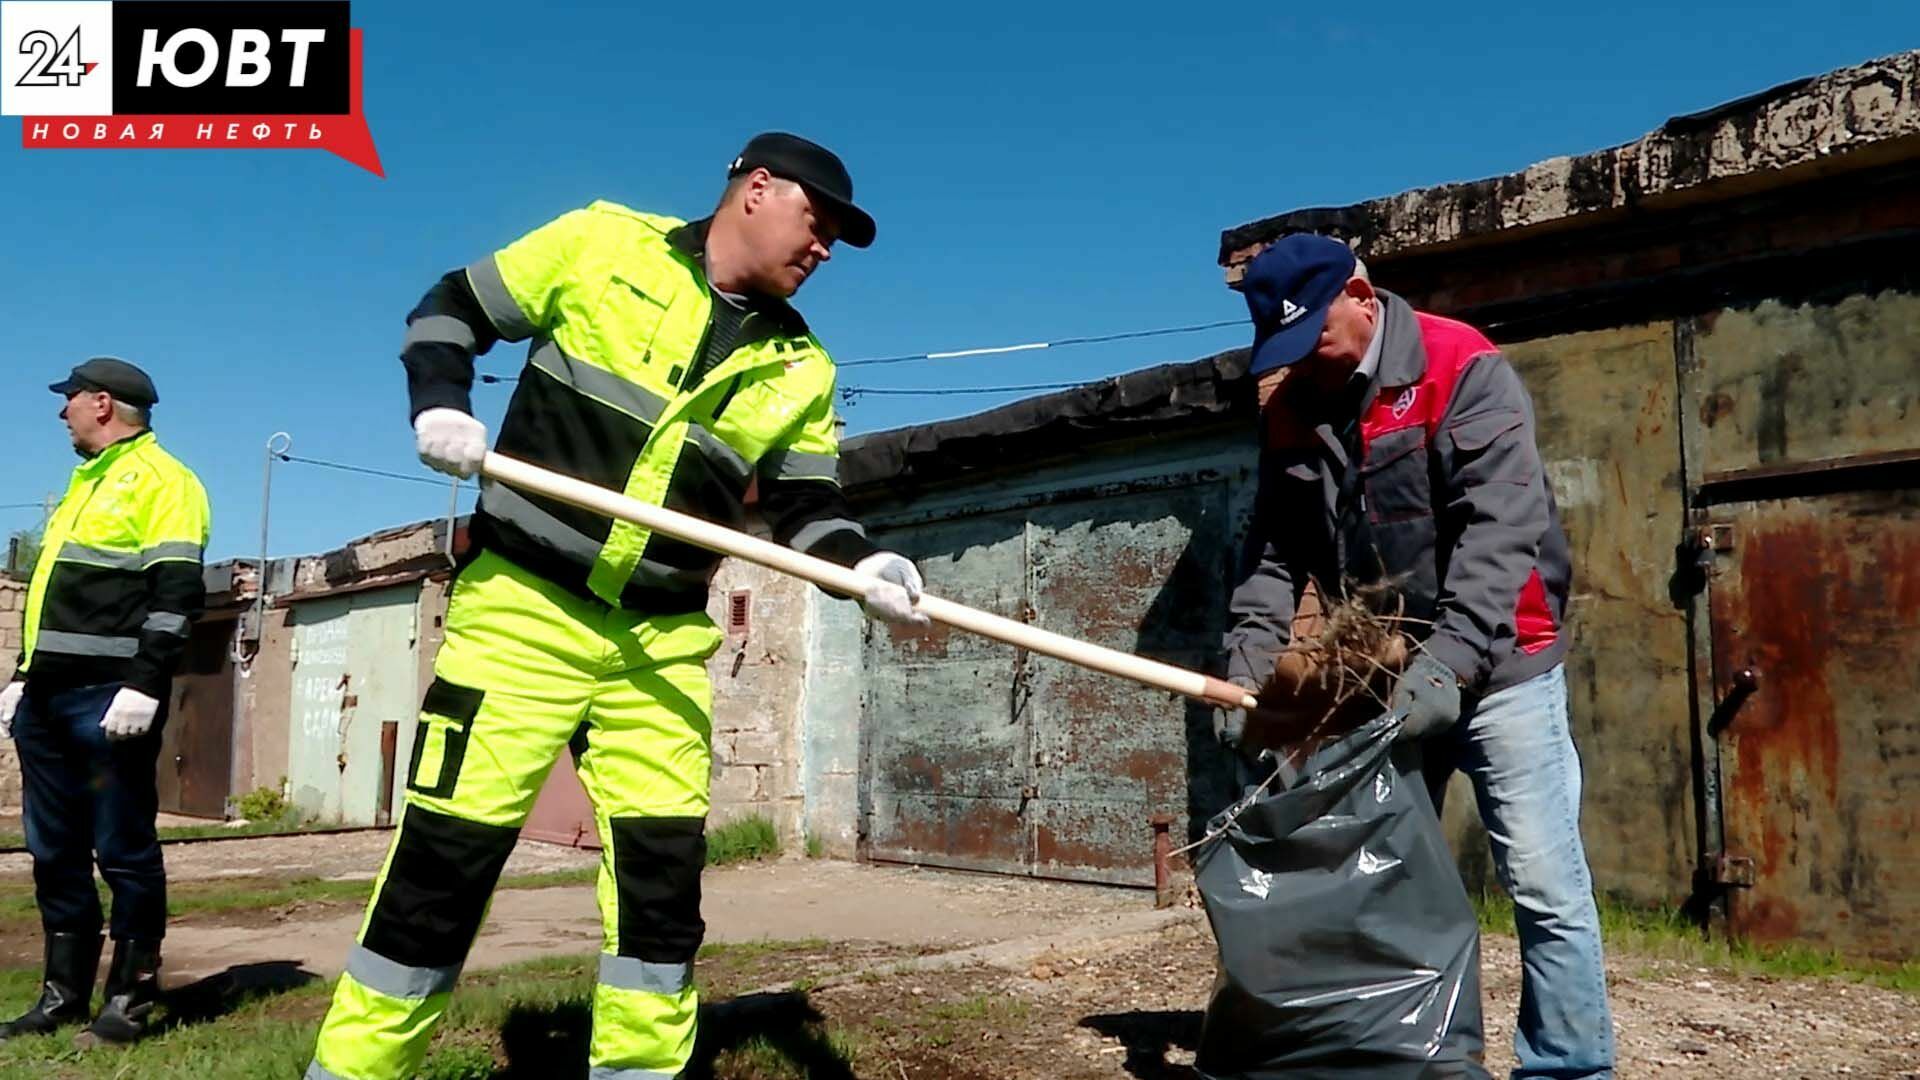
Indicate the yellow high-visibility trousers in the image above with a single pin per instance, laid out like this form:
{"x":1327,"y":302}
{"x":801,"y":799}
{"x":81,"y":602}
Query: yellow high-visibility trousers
{"x":526,"y":670}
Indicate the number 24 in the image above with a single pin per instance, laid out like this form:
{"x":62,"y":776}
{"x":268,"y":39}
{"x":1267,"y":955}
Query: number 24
{"x":54,"y":63}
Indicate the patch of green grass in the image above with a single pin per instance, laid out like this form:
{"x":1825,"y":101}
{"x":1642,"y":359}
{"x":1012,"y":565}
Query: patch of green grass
{"x":985,"y":1007}
{"x":227,"y":897}
{"x":764,"y":1057}
{"x":287,"y":822}
{"x":746,"y":839}
{"x":1666,"y":933}
{"x":262,"y":802}
{"x":534,"y":1016}
{"x":268,"y":1035}
{"x":741,"y":840}
{"x":816,"y":847}
{"x":549,"y":879}
{"x":760,"y":947}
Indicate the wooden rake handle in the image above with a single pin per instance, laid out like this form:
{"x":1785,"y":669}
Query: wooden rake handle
{"x":725,"y":541}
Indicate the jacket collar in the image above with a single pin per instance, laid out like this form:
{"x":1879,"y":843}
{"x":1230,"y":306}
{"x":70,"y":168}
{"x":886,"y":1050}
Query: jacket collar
{"x":690,"y":240}
{"x":1403,"y":357}
{"x":113,"y":452}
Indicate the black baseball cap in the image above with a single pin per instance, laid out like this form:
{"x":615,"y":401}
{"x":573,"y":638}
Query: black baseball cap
{"x":813,"y":167}
{"x":111,"y":375}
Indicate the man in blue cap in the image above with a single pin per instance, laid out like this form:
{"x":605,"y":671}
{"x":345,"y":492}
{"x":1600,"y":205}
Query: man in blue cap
{"x":1399,"y":446}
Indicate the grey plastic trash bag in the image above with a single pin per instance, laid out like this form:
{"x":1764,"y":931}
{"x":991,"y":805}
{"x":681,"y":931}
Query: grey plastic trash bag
{"x":1348,"y":947}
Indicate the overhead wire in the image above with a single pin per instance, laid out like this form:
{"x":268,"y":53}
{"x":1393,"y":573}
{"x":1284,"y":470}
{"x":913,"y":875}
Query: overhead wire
{"x":1089,"y":339}
{"x":850,"y":394}
{"x":361,"y":469}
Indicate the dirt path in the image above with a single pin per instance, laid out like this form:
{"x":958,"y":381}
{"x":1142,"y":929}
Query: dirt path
{"x":1019,"y":979}
{"x":786,"y":900}
{"x":1033,"y":979}
{"x":1132,"y":1007}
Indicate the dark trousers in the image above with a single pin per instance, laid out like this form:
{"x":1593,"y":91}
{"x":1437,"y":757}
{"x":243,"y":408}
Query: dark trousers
{"x":87,"y":797}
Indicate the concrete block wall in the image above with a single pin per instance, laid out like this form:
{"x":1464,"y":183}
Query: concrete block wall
{"x":759,"y":696}
{"x":13,"y":601}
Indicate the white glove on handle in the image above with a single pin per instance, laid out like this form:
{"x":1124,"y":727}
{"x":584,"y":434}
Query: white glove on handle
{"x":9,"y":704}
{"x":891,"y":598}
{"x":130,"y":715}
{"x":450,"y":441}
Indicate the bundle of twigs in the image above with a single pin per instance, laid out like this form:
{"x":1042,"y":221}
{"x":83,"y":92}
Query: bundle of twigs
{"x":1337,"y":671}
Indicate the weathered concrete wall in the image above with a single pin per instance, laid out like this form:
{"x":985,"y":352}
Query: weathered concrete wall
{"x":759,"y":696}
{"x":759,"y":678}
{"x":1606,"y":405}
{"x":13,"y":599}
{"x":266,"y":695}
{"x":431,"y":631}
{"x":1789,"y":383}
{"x":1850,"y":119}
{"x":830,"y":759}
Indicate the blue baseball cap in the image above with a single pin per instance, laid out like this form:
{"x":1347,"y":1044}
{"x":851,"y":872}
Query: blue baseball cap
{"x":1289,"y":288}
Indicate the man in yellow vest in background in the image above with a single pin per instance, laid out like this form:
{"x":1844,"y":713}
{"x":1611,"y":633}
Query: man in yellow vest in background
{"x":666,"y":363}
{"x":113,"y":597}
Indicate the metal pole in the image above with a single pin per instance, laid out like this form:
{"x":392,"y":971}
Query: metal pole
{"x":278,"y":444}
{"x":453,"y":513}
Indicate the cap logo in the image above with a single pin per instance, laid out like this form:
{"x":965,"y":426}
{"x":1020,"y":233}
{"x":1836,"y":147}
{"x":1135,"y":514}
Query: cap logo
{"x":1290,"y":312}
{"x":736,"y":164}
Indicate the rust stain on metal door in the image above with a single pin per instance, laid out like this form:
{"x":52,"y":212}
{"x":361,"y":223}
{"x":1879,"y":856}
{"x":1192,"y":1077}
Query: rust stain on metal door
{"x":946,"y":756}
{"x":1821,"y":762}
{"x":196,"y":750}
{"x":1143,"y":573}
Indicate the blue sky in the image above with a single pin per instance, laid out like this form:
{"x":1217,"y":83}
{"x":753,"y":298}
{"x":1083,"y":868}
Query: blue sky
{"x":1038,"y":171}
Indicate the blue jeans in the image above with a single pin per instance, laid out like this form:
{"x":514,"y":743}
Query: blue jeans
{"x":85,"y":796}
{"x":1514,"y":745}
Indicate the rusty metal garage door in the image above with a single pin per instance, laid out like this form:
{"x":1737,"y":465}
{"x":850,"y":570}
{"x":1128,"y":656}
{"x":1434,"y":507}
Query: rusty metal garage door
{"x":1802,"y":416}
{"x":196,"y":749}
{"x":982,"y":757}
{"x":1816,"y":645}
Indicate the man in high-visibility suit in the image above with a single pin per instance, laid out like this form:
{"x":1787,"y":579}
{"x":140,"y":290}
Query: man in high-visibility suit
{"x":665,"y":363}
{"x":113,"y":597}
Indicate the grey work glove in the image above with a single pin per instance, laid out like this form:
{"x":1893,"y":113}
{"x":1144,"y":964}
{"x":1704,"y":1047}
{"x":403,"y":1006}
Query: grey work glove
{"x":1428,"y":696}
{"x":891,"y":598}
{"x":9,"y":704}
{"x":1230,"y":725}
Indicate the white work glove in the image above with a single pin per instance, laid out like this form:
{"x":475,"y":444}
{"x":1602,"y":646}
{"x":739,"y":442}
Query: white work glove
{"x":450,"y":441}
{"x":891,"y":598}
{"x":130,"y":715}
{"x":9,"y":704}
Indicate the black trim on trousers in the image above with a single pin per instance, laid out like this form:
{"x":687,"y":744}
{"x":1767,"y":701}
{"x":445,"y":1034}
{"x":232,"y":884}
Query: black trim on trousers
{"x":656,"y":872}
{"x":438,"y":882}
{"x":457,"y":703}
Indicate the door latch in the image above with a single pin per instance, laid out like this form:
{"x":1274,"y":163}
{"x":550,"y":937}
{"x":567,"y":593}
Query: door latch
{"x":1745,"y":682}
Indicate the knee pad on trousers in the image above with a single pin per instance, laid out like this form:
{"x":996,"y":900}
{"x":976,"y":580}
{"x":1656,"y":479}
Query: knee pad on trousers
{"x":436,"y":888}
{"x":656,"y":870}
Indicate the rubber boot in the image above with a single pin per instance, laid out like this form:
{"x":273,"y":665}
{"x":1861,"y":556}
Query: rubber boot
{"x":133,"y":989}
{"x":66,"y":988}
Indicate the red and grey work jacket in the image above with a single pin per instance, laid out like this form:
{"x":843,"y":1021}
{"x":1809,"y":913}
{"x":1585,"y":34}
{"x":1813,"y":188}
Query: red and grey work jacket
{"x":1447,"y":497}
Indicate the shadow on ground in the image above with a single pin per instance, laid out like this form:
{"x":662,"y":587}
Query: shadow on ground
{"x":786,"y":1025}
{"x":220,"y":994}
{"x":1148,"y":1035}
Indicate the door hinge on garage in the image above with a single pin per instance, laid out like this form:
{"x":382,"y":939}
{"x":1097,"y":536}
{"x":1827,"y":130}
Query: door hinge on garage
{"x":1734,"y":871}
